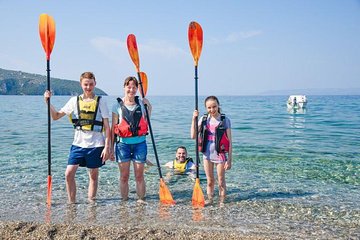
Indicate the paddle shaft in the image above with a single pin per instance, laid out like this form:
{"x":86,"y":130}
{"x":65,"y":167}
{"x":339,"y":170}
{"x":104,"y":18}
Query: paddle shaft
{"x":48,"y":117}
{"x":196,"y":123}
{"x":150,"y":128}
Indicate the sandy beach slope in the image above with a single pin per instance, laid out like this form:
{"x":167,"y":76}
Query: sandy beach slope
{"x":30,"y":230}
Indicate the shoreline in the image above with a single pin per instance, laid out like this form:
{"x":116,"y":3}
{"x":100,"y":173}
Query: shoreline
{"x":33,"y":230}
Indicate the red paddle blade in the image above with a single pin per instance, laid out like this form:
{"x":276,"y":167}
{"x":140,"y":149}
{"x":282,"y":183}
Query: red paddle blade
{"x":144,"y":81}
{"x":48,"y":200}
{"x":195,"y":34}
{"x":47,"y":33}
{"x":133,"y":51}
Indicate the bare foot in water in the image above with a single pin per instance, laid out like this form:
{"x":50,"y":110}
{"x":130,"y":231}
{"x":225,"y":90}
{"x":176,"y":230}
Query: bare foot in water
{"x":209,"y":201}
{"x":222,"y":202}
{"x":141,"y":201}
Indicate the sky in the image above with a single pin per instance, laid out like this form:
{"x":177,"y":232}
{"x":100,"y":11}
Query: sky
{"x":249,"y":47}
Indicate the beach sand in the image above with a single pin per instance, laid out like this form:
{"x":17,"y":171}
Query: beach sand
{"x":31,"y":230}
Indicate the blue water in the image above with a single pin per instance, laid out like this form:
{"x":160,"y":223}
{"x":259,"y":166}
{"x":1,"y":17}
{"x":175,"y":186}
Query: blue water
{"x":294,"y":175}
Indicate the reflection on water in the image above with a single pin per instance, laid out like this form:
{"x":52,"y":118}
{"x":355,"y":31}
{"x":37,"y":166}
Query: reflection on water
{"x":70,"y":213}
{"x":164,"y":212}
{"x":92,"y":212}
{"x":296,"y":110}
{"x":297,"y":121}
{"x":197,"y":214}
{"x":48,"y":214}
{"x":296,"y":135}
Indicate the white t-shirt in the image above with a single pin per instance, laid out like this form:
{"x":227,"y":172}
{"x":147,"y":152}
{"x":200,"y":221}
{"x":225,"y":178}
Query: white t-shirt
{"x":87,"y":139}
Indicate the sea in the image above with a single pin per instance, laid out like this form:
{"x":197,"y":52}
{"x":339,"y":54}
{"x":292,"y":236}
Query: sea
{"x":295,"y":175}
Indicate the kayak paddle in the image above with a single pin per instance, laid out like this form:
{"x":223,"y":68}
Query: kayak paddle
{"x":195,"y":35}
{"x":47,"y":36}
{"x":164,"y":192}
{"x":144,"y":81}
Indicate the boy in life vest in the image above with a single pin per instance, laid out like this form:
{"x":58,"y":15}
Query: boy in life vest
{"x":90,"y":148}
{"x":216,"y":146}
{"x":182,"y":162}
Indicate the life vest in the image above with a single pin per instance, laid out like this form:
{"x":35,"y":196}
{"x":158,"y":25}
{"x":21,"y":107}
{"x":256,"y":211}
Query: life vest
{"x":221,"y":139}
{"x":87,"y":116}
{"x":181,"y":167}
{"x":132,"y":123}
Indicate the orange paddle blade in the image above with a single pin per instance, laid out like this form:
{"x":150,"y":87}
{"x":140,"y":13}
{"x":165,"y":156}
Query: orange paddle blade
{"x":144,"y":81}
{"x":198,"y":199}
{"x":47,"y":33}
{"x":48,"y":201}
{"x":133,"y":51}
{"x":164,"y":193}
{"x":195,"y":34}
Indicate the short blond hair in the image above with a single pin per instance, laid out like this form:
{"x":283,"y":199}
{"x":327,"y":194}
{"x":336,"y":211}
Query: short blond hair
{"x":88,"y":75}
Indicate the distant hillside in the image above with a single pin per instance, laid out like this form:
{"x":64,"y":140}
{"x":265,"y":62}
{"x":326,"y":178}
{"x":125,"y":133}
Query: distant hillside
{"x":22,"y":83}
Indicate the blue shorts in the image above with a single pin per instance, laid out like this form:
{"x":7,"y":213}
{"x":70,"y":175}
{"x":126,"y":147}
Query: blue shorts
{"x":126,"y":152}
{"x":86,"y":157}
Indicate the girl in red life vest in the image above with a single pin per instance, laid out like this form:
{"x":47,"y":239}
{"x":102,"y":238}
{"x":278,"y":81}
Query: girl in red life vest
{"x":129,"y":129}
{"x":216,"y":145}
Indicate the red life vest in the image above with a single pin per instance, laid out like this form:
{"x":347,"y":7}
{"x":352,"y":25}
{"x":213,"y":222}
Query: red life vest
{"x":132,"y":123}
{"x":221,"y":139}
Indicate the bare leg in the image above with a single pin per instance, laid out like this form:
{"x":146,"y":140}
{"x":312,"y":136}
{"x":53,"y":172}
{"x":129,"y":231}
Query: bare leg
{"x":93,"y":183}
{"x":209,"y":171}
{"x":70,"y":182}
{"x":140,"y":181}
{"x":221,"y":181}
{"x":124,"y":179}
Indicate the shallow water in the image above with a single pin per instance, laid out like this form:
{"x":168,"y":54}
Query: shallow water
{"x":295,"y":175}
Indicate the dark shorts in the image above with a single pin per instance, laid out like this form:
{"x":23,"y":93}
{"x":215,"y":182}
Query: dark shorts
{"x":136,"y":152}
{"x":85,"y":157}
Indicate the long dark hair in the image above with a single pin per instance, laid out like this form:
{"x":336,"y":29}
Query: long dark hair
{"x":214,"y":99}
{"x":129,"y":79}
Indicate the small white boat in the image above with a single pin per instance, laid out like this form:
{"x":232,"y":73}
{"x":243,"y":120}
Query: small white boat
{"x":296,"y":102}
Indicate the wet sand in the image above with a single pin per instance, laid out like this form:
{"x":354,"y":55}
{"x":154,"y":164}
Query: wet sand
{"x":32,"y":230}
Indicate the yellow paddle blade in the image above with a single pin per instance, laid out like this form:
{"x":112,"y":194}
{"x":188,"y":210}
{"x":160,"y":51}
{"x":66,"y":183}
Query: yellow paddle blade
{"x":144,"y":81}
{"x":133,"y":51}
{"x":48,"y":201}
{"x":47,"y":33}
{"x":195,"y":35}
{"x":198,"y":199}
{"x":164,"y":193}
